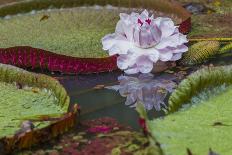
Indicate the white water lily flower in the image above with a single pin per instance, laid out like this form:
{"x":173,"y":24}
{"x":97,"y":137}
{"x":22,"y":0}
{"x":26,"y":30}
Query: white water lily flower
{"x":140,"y":41}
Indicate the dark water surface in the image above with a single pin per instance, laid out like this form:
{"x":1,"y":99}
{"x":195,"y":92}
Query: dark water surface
{"x":103,"y":102}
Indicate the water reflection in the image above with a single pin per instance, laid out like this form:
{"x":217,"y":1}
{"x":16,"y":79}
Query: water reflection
{"x":96,"y":103}
{"x":144,"y":88}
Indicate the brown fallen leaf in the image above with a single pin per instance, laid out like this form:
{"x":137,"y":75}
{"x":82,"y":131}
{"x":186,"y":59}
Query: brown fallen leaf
{"x":44,"y":17}
{"x":169,"y":71}
{"x":182,"y":72}
{"x":161,"y":66}
{"x":182,"y":68}
{"x":97,"y":87}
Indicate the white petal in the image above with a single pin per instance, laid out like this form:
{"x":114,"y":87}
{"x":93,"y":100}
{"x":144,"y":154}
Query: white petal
{"x":116,"y":44}
{"x":167,"y":27}
{"x":108,"y":41}
{"x":138,"y":60}
{"x":122,"y":61}
{"x":124,"y":16}
{"x":132,"y":70}
{"x":125,"y":28}
{"x":134,"y":18}
{"x":157,"y":21}
{"x":144,"y":15}
{"x":151,"y":53}
{"x":165,"y":56}
{"x":176,"y":57}
{"x":180,"y":49}
{"x":144,"y":64}
{"x":129,"y":32}
{"x":119,"y":28}
{"x":156,"y":33}
{"x":172,"y":41}
{"x":171,"y":53}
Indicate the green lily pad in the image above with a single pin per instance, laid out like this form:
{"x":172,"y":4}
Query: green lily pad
{"x":73,"y":32}
{"x":203,"y":120}
{"x":27,"y":96}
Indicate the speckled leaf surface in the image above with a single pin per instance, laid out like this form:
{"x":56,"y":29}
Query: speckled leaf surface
{"x":25,"y":96}
{"x":73,"y":32}
{"x":19,"y":104}
{"x":203,"y":119}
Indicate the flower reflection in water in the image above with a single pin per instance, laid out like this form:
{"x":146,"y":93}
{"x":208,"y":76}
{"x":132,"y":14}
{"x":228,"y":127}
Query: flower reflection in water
{"x":146,"y":89}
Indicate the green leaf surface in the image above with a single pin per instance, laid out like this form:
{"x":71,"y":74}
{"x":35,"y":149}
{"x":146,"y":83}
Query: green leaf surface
{"x":202,"y":115}
{"x":74,"y":32}
{"x":26,"y":96}
{"x":201,"y":52}
{"x":202,"y":126}
{"x":16,"y":104}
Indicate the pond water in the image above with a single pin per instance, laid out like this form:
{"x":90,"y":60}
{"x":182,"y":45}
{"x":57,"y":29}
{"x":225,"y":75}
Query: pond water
{"x":103,"y":102}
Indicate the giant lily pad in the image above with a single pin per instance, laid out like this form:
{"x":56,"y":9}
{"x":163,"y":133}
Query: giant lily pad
{"x":31,"y":97}
{"x":73,"y":32}
{"x":204,"y":117}
{"x":69,"y":40}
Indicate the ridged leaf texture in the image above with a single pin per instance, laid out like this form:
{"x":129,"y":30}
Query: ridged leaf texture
{"x":226,"y":48}
{"x":200,"y":52}
{"x":196,"y":82}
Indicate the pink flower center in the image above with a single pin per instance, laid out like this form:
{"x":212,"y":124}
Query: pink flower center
{"x":147,"y":21}
{"x":140,"y":22}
